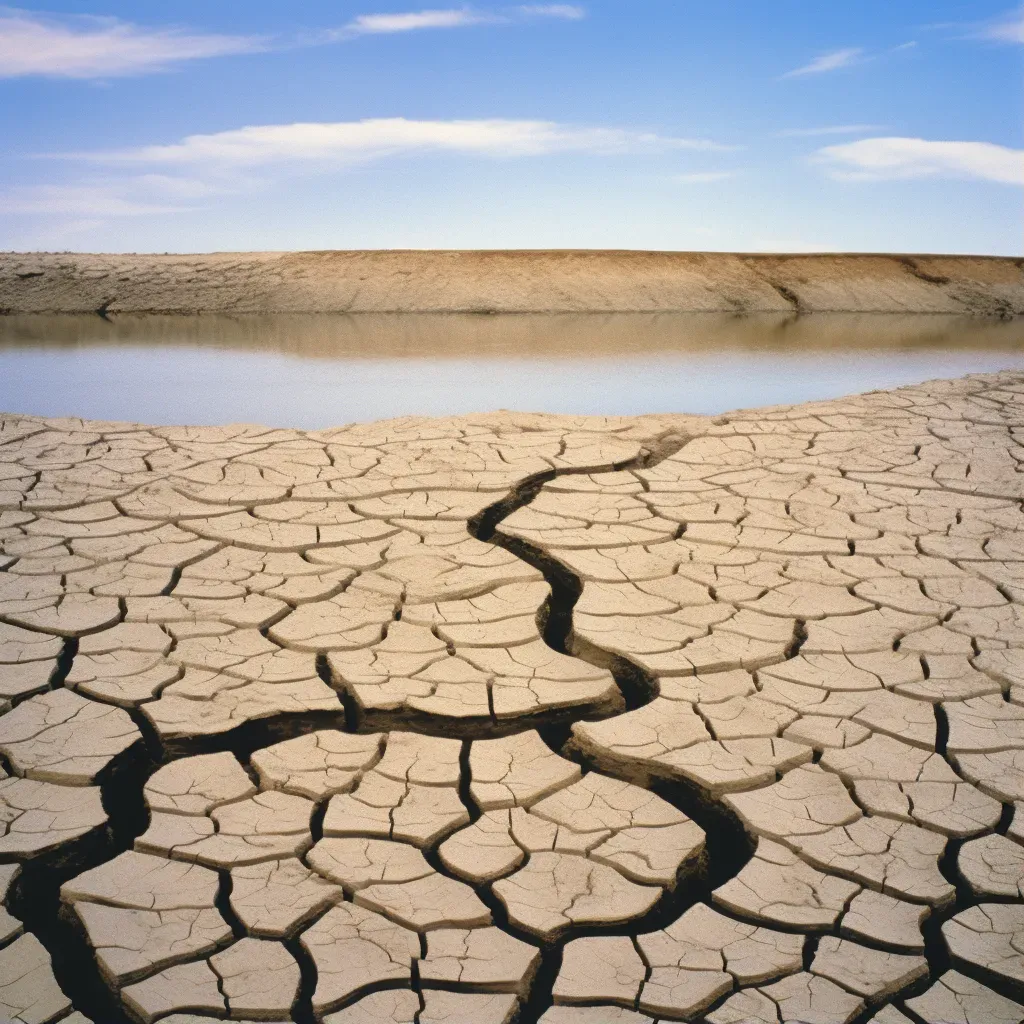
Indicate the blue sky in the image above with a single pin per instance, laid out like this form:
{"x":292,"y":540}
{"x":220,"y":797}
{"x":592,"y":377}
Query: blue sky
{"x":885,"y":125}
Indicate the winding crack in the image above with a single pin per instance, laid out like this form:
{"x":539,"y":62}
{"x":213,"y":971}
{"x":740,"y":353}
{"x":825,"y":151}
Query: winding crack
{"x":35,"y":896}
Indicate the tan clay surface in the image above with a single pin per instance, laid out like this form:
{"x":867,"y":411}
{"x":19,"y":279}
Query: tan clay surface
{"x":508,"y":281}
{"x":518,"y":717}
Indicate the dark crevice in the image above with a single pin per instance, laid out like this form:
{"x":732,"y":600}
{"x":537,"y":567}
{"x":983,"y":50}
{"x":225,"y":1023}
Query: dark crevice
{"x":789,"y":295}
{"x":223,"y":905}
{"x":483,"y":524}
{"x":727,"y":844}
{"x":174,"y":581}
{"x":482,"y":726}
{"x":302,"y":1008}
{"x":728,"y":847}
{"x":1005,"y":819}
{"x":555,"y":736}
{"x":465,"y":780}
{"x":35,"y":894}
{"x":799,"y":639}
{"x":920,"y":274}
{"x":941,"y":730}
{"x":64,"y":662}
{"x":810,"y":949}
{"x":348,"y":703}
{"x":636,"y":686}
{"x":540,"y":998}
{"x":253,"y":735}
{"x":121,"y":787}
{"x":150,"y":737}
{"x":316,"y":821}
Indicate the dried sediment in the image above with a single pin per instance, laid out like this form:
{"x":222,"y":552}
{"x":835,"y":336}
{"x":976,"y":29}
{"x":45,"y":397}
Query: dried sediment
{"x":580,"y":719}
{"x":565,"y":281}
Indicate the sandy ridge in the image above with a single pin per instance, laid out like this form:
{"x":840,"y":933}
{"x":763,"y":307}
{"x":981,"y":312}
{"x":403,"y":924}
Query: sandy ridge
{"x":509,"y":281}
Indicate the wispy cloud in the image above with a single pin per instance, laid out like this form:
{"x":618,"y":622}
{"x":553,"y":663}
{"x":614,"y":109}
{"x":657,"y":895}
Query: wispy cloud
{"x":851,"y":56}
{"x":883,"y":159}
{"x":411,"y":21}
{"x":832,"y":129}
{"x":345,"y":142}
{"x":570,"y":12}
{"x":833,"y":61}
{"x":114,"y":199}
{"x":702,"y":177}
{"x":453,"y":17}
{"x":1007,"y":29}
{"x":120,"y":195}
{"x":185,"y":174}
{"x":88,"y":47}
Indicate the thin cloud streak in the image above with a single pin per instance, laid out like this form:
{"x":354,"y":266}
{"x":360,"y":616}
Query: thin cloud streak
{"x":89,"y":47}
{"x":569,"y":12}
{"x":101,"y":200}
{"x":86,"y":47}
{"x":445,"y":18}
{"x":248,"y":160}
{"x":131,"y":195}
{"x":411,"y":21}
{"x":888,"y":159}
{"x":834,"y":61}
{"x":1008,"y":29}
{"x":346,"y":142}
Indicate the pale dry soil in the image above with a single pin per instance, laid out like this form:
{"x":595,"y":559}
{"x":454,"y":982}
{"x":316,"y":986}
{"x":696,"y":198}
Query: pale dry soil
{"x":518,"y":718}
{"x":509,"y":281}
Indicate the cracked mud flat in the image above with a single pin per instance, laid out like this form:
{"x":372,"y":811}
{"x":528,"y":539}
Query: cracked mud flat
{"x":512,"y":717}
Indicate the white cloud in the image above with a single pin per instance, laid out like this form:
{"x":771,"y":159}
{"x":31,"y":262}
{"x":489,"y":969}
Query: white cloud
{"x":883,"y":159}
{"x":412,"y":21}
{"x":454,"y":17}
{"x":113,"y":200}
{"x":88,"y":47}
{"x":186,"y":174}
{"x":570,"y":12}
{"x":1008,"y":29}
{"x":121,"y":196}
{"x":833,"y":61}
{"x":832,"y":129}
{"x":702,"y":177}
{"x":346,"y":142}
{"x":94,"y":47}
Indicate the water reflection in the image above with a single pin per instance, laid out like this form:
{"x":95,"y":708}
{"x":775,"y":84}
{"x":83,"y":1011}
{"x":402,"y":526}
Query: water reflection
{"x":389,"y":335}
{"x":322,"y":370}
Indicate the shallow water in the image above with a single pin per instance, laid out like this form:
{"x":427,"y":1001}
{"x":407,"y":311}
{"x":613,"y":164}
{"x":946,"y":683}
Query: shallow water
{"x":324,"y":370}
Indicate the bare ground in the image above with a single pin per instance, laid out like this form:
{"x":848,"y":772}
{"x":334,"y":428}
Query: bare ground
{"x":509,"y":282}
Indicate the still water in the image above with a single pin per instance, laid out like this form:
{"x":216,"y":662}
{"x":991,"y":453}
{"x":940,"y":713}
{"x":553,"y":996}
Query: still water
{"x":325,"y":370}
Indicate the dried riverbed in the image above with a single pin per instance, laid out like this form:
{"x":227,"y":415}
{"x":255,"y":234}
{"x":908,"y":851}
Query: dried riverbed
{"x":509,"y":716}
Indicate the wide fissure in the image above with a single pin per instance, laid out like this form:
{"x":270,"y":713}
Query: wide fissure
{"x":35,"y":897}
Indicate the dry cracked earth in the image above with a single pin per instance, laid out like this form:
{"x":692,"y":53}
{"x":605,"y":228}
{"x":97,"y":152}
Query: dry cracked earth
{"x":508,"y":717}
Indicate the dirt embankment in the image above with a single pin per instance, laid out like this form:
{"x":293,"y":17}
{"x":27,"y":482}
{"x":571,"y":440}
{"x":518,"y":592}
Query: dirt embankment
{"x":509,"y":282}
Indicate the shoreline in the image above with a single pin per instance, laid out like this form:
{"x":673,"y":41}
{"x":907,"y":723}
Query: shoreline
{"x":512,"y":281}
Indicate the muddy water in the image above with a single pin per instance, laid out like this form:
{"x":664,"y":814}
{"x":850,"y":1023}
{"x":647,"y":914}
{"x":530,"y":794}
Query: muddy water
{"x":323,"y":370}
